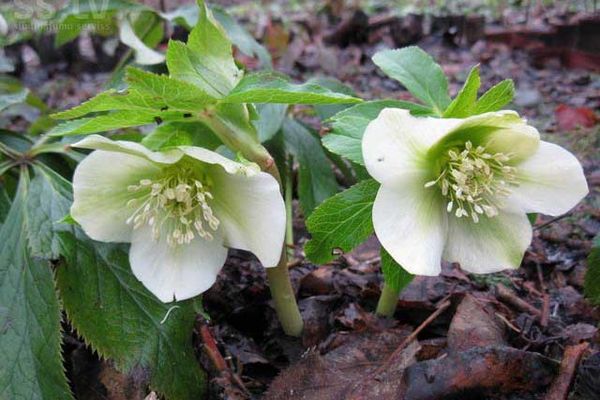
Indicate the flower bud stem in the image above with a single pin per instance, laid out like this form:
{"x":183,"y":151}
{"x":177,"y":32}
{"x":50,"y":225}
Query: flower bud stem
{"x":279,"y":279}
{"x":387,"y":301}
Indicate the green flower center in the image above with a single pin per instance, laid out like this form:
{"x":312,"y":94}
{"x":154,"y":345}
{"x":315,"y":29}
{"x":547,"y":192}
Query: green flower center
{"x":177,"y":205}
{"x":475,"y":182}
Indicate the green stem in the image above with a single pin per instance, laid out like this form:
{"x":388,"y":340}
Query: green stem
{"x":289,"y":231}
{"x":387,"y":301}
{"x":279,"y":279}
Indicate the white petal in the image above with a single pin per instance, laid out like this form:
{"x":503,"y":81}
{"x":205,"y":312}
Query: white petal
{"x":489,"y":246}
{"x":144,"y":55}
{"x":97,"y":142}
{"x":410,"y":222}
{"x":210,"y":157}
{"x":252,"y":213}
{"x":395,"y":143}
{"x":100,"y":193}
{"x":499,"y":132}
{"x":175,"y":272}
{"x":551,"y":181}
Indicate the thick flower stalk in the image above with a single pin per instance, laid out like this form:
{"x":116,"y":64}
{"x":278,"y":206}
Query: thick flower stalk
{"x":460,"y":189}
{"x":180,"y":209}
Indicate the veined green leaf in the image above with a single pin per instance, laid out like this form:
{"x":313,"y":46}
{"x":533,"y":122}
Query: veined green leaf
{"x":341,"y":222}
{"x":30,"y":337}
{"x":123,"y":321}
{"x":463,"y":105}
{"x":348,"y":126}
{"x":497,"y":97}
{"x":174,"y":94}
{"x":271,"y":87}
{"x":394,"y":275}
{"x":269,"y":121}
{"x":147,"y":92}
{"x":207,"y":59}
{"x":114,"y":120}
{"x":419,"y":73}
{"x":316,"y":181}
{"x":171,"y":134}
{"x":109,"y":101}
{"x":48,"y":201}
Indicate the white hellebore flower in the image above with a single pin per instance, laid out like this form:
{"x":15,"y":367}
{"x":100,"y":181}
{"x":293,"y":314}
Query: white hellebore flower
{"x":459,"y":189}
{"x":180,"y":209}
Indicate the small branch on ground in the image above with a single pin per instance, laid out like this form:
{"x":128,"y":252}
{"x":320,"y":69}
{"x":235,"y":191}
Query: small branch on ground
{"x":505,"y":294}
{"x":571,"y":358}
{"x":441,"y":308}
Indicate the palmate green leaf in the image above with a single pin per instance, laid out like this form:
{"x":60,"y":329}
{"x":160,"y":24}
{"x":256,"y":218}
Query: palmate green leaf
{"x":172,"y":134}
{"x":348,"y":126}
{"x":30,"y":337}
{"x":394,"y":275}
{"x":272,"y":87}
{"x":592,"y":276}
{"x":497,"y":97}
{"x":419,"y":73}
{"x":341,"y":222}
{"x":463,"y":105}
{"x":48,"y":202}
{"x":123,"y":321}
{"x":316,"y":181}
{"x":207,"y":59}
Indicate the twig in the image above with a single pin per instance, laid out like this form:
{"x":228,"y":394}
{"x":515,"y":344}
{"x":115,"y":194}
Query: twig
{"x":210,"y":345}
{"x":507,"y":295}
{"x":545,"y":299}
{"x":508,"y":323}
{"x":211,"y":349}
{"x":560,"y":388}
{"x":295,"y":262}
{"x":553,"y":220}
{"x":441,"y":308}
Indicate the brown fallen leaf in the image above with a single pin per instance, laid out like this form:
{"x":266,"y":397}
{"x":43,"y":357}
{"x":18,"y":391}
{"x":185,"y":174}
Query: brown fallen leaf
{"x":481,"y":369}
{"x":569,"y":118}
{"x":474,"y":325}
{"x":347,"y":372}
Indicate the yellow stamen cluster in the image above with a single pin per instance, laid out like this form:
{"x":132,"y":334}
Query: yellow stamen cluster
{"x":176,"y":205}
{"x":475,"y":181}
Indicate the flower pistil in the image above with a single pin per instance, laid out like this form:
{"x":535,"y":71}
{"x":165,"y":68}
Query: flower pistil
{"x":176,"y":204}
{"x":475,"y":181}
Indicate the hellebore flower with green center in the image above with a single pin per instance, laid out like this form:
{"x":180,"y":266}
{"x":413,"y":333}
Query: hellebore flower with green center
{"x":459,"y":189}
{"x":180,"y":209}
